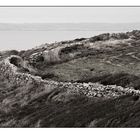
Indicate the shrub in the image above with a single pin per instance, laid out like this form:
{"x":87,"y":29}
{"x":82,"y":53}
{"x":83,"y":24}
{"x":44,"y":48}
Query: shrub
{"x":48,"y":76}
{"x":13,"y":52}
{"x":101,"y":37}
{"x":40,"y":59}
{"x":71,"y":49}
{"x":80,"y":39}
{"x":15,"y":61}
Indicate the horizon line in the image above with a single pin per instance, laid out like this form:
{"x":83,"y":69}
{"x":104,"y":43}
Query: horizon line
{"x":69,"y":22}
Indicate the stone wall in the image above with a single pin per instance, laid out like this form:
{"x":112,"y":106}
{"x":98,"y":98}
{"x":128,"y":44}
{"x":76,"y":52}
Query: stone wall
{"x":31,"y":87}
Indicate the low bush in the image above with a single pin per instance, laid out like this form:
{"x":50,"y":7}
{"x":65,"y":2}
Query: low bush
{"x":71,"y":49}
{"x":79,"y":39}
{"x":15,"y":61}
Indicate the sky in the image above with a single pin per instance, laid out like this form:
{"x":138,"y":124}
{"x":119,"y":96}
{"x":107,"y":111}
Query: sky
{"x":69,"y":14}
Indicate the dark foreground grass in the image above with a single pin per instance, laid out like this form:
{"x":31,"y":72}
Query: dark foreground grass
{"x":78,"y":112}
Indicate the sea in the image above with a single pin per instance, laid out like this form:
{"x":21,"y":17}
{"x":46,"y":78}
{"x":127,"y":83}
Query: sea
{"x":27,"y":36}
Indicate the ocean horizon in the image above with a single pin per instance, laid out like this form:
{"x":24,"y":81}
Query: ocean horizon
{"x":27,"y":36}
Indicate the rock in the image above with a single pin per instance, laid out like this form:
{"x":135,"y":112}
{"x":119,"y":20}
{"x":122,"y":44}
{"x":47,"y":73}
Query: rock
{"x":85,"y":84}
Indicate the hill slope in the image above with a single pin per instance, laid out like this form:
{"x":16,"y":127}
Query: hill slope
{"x":86,"y":82}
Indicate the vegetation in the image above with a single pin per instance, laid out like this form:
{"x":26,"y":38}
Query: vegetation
{"x":86,"y":82}
{"x":15,"y":61}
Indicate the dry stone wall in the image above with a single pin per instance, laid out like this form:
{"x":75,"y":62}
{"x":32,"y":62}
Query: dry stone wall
{"x":13,"y":77}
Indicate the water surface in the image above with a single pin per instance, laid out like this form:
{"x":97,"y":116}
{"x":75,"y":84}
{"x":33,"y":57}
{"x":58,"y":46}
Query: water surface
{"x":26,"y":36}
{"x":21,"y":40}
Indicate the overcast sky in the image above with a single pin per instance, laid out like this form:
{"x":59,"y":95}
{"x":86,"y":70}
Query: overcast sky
{"x":69,"y":14}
